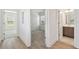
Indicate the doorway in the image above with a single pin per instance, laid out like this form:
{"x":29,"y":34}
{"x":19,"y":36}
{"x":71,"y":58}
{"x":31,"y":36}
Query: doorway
{"x":10,"y":24}
{"x":38,"y":28}
{"x":66,"y":27}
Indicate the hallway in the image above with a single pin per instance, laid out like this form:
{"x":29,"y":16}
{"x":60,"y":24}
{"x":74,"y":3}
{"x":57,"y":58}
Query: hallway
{"x":38,"y":41}
{"x":12,"y":44}
{"x":32,"y":29}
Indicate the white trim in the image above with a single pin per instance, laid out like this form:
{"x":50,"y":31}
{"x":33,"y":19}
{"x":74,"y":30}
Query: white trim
{"x":75,"y":29}
{"x":46,"y":20}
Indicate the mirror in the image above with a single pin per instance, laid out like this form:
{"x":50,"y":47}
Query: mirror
{"x":69,"y":18}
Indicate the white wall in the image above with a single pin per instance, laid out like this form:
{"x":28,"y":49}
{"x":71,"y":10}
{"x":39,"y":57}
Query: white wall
{"x":76,"y":31}
{"x":51,"y":27}
{"x":62,"y":21}
{"x":0,"y":26}
{"x":24,"y":28}
{"x":34,"y":20}
{"x":18,"y":22}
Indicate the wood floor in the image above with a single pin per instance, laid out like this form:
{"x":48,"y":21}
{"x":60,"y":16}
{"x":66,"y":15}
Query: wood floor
{"x":38,"y":40}
{"x":13,"y":43}
{"x":37,"y":43}
{"x":64,"y":43}
{"x":67,"y":40}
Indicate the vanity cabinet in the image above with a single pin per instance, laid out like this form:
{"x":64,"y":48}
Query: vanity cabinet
{"x":68,"y":31}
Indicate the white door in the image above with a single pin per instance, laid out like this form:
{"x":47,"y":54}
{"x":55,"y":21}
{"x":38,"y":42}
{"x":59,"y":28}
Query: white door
{"x":51,"y":27}
{"x":10,"y":24}
{"x":24,"y":26}
{"x":76,"y":31}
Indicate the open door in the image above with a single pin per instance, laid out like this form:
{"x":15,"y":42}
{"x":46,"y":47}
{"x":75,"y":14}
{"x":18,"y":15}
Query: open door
{"x":25,"y":27}
{"x":66,"y":27}
{"x":51,"y":27}
{"x":10,"y":24}
{"x":76,"y":38}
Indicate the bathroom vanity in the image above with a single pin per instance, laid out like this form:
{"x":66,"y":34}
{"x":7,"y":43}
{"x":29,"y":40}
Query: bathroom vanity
{"x":68,"y":31}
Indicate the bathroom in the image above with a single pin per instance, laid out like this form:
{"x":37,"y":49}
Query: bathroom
{"x":66,"y":26}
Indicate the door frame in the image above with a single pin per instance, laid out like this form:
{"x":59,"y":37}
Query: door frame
{"x":3,"y":13}
{"x":60,"y":35}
